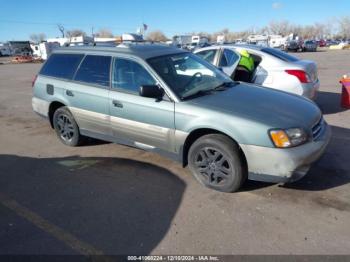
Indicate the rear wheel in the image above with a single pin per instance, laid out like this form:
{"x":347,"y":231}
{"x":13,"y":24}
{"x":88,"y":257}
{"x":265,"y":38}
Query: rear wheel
{"x":66,"y":127}
{"x":215,"y":161}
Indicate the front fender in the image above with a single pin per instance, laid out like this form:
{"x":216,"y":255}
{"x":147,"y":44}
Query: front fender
{"x":189,"y":118}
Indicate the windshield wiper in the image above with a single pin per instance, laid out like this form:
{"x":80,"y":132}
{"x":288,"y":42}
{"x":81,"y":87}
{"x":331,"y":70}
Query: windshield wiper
{"x":225,"y":85}
{"x":198,"y":93}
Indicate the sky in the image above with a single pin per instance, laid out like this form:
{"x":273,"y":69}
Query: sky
{"x":21,"y":18}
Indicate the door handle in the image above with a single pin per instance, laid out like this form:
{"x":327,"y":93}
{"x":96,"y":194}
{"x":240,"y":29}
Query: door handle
{"x":69,"y":93}
{"x":117,"y":103}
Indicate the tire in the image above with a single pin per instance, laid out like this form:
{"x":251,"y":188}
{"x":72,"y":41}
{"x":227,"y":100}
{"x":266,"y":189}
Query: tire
{"x":66,"y":127}
{"x":215,"y":161}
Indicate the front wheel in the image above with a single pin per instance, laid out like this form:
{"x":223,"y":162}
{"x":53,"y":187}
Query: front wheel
{"x":216,"y":162}
{"x":66,"y":127}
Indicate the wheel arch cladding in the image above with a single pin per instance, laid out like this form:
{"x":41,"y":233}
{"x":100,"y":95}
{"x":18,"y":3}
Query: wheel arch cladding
{"x":52,"y":108}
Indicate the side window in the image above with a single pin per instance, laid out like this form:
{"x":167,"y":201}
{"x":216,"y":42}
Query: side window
{"x":228,"y":58}
{"x":61,"y":65}
{"x":94,"y":70}
{"x":130,"y":75}
{"x":207,"y":55}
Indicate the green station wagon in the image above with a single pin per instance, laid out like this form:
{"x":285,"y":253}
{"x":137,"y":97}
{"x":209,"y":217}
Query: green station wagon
{"x":169,"y":101}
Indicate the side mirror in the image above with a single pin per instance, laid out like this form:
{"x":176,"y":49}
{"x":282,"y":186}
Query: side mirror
{"x":151,"y":91}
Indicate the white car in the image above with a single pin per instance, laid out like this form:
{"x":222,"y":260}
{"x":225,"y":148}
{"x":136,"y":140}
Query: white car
{"x":273,"y":68}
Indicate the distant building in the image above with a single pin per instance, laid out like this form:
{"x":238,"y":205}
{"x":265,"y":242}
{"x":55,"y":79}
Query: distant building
{"x":197,"y":39}
{"x":220,"y":39}
{"x":105,"y":39}
{"x":277,"y":41}
{"x":130,"y":37}
{"x":81,"y":40}
{"x":182,"y":40}
{"x":63,"y":41}
{"x":258,"y":39}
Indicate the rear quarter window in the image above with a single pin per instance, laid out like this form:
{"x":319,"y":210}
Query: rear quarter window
{"x":280,"y":54}
{"x":61,"y":65}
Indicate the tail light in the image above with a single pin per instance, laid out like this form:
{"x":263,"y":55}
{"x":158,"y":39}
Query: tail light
{"x":34,"y":79}
{"x":301,"y":75}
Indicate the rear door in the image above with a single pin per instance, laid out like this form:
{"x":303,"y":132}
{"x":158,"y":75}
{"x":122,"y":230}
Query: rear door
{"x":88,"y":94}
{"x":144,"y":122}
{"x":228,"y":60}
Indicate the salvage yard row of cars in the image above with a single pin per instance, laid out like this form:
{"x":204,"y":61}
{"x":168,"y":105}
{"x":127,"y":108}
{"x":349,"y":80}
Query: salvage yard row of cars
{"x":189,"y":107}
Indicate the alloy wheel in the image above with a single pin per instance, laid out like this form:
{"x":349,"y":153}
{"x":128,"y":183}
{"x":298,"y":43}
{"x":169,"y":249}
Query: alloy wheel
{"x":213,"y":166}
{"x":65,"y":127}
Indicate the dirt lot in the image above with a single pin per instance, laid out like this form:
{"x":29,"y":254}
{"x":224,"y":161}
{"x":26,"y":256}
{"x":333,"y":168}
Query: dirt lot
{"x":108,"y":199}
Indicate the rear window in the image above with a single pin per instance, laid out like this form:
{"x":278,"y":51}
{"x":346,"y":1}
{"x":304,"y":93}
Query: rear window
{"x":280,"y":54}
{"x":207,"y":55}
{"x":61,"y":65}
{"x":94,"y":70}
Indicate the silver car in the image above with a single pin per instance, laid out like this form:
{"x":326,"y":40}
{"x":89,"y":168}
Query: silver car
{"x":273,"y":68}
{"x":172,"y":102}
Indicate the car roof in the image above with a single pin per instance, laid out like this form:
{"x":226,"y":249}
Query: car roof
{"x":234,"y":46}
{"x":247,"y":46}
{"x":141,"y":50}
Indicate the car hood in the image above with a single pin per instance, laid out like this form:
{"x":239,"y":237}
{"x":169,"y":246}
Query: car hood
{"x":274,"y":108}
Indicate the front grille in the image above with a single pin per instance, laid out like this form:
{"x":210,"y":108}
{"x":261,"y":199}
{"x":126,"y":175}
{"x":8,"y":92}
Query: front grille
{"x":318,"y":128}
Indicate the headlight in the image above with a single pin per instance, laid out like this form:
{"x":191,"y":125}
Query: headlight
{"x":288,"y":138}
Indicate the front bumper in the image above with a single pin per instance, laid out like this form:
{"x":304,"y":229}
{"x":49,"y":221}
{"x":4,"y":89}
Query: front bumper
{"x":284,"y":165}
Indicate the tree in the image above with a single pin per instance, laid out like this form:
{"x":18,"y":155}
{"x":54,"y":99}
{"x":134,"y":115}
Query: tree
{"x":37,"y":38}
{"x":75,"y":32}
{"x":156,"y":36}
{"x":104,"y":32}
{"x":61,"y":28}
{"x":280,"y":27}
{"x":344,"y":27}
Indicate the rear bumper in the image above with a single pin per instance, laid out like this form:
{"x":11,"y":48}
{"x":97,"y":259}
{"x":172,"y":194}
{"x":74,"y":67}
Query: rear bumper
{"x":284,"y":165}
{"x":40,"y":107}
{"x":310,"y":90}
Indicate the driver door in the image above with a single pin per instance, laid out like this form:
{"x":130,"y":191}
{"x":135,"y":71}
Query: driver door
{"x":140,"y":121}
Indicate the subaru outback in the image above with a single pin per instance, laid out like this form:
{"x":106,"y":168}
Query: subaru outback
{"x":169,"y":101}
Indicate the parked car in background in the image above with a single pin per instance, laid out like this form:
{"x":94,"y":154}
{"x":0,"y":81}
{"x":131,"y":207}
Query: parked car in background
{"x":293,"y":45}
{"x":20,"y":48}
{"x":5,"y":49}
{"x":309,"y":46}
{"x":331,"y":42}
{"x":273,"y":68}
{"x":322,"y":43}
{"x":170,"y":101}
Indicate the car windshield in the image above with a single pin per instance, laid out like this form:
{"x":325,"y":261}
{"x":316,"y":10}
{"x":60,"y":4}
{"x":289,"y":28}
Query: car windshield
{"x":188,"y":75}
